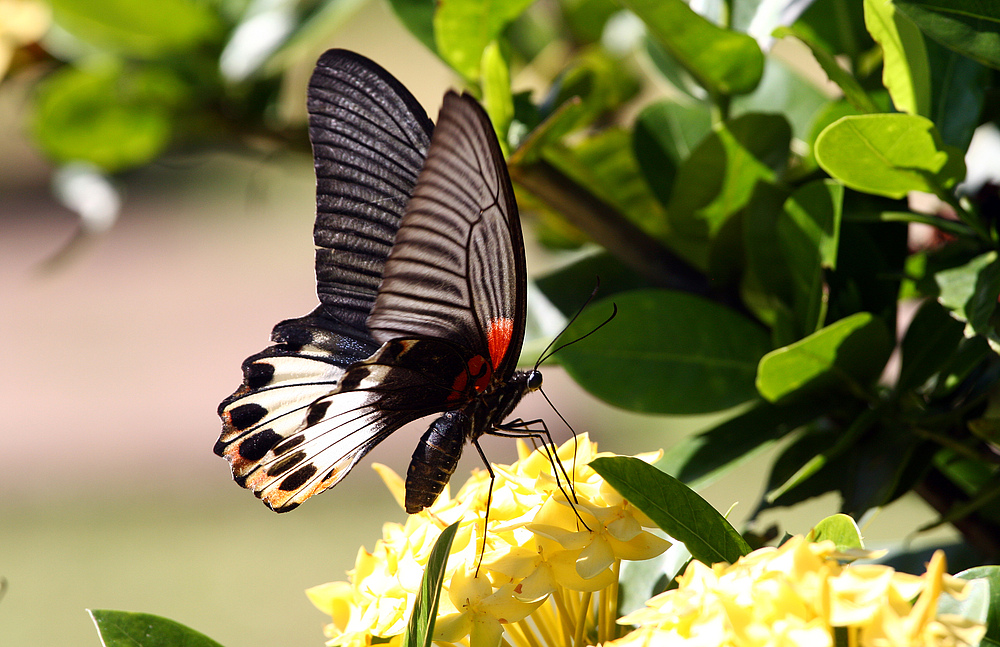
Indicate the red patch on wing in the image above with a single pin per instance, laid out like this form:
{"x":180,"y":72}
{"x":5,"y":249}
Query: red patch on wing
{"x":479,"y":370}
{"x":498,"y":338}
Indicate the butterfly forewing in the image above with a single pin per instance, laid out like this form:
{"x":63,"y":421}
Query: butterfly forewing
{"x":456,"y":271}
{"x":369,"y":138}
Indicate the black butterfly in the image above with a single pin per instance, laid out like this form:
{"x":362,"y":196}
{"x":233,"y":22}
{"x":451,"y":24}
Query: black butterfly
{"x":421,"y":280}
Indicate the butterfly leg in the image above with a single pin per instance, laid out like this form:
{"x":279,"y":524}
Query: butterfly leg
{"x":489,"y":500}
{"x":519,"y":428}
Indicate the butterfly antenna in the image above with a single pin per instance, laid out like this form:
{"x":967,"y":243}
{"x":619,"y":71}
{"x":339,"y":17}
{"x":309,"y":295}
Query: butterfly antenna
{"x":547,"y":354}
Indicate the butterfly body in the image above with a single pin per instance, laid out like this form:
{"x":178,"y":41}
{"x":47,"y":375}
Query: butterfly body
{"x":422,"y":287}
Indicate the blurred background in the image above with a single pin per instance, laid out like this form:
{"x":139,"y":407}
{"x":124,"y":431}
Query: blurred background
{"x":118,"y":350}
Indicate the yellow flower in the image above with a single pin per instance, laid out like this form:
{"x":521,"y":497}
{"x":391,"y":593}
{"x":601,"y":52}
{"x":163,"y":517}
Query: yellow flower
{"x":21,"y":22}
{"x":548,"y":574}
{"x":798,"y":595}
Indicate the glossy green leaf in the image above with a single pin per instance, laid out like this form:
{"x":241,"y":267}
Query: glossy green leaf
{"x":139,"y":29}
{"x":604,"y":163}
{"x":463,"y":29}
{"x":693,"y":355}
{"x":126,"y":629}
{"x":497,"y":97}
{"x":852,"y":90}
{"x":698,"y":460}
{"x":888,"y":155}
{"x":723,"y":62}
{"x":906,"y":72}
{"x":847,"y":353}
{"x":983,"y":603}
{"x":569,"y":286}
{"x":809,"y":236}
{"x":970,"y":291}
{"x":552,"y":128}
{"x":930,"y":343}
{"x":719,"y":177}
{"x":418,"y":17}
{"x":420,"y":628}
{"x":783,"y":90}
{"x":767,"y":286}
{"x":676,"y":509}
{"x":841,"y":529}
{"x":970,"y":27}
{"x":676,"y":127}
{"x":837,"y":26}
{"x":959,"y":89}
{"x":113,"y":117}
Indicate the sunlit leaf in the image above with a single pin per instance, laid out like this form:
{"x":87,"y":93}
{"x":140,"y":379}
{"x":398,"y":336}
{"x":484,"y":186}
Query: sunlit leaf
{"x":676,"y":509}
{"x":970,"y":27}
{"x":666,"y":352}
{"x":463,"y":29}
{"x":888,"y":155}
{"x":905,"y":73}
{"x":126,"y":629}
{"x":420,"y":628}
{"x":723,"y":62}
{"x":849,"y":353}
{"x":841,"y":529}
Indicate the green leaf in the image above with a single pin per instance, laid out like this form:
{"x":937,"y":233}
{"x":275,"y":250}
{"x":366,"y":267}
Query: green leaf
{"x":568,"y":287}
{"x":837,"y":26}
{"x":783,"y":90}
{"x":693,"y":355}
{"x":888,"y":155}
{"x":719,"y":177}
{"x":139,"y":29}
{"x":970,"y":27}
{"x":420,"y":628}
{"x":463,"y":29}
{"x":676,"y":509}
{"x":930,"y":343}
{"x":852,"y":90}
{"x":723,"y":62}
{"x":497,"y":98}
{"x":418,"y":17}
{"x":604,"y":163}
{"x":970,"y":291}
{"x":983,"y":604}
{"x":905,"y":72}
{"x":675,"y":128}
{"x":809,"y":236}
{"x":767,"y":286}
{"x":126,"y":629}
{"x":700,"y":459}
{"x":959,"y":89}
{"x":841,"y":529}
{"x":848,"y":353}
{"x":112,"y":116}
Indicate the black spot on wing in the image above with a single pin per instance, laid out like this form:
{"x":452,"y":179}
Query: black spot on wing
{"x":246,"y":415}
{"x":256,"y":446}
{"x":297,"y":479}
{"x":258,"y":374}
{"x":286,"y":464}
{"x":353,"y":378}
{"x":291,"y":443}
{"x":316,"y":412}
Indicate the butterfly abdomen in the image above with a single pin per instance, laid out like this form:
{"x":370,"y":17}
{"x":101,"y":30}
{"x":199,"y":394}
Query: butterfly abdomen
{"x":434,"y":460}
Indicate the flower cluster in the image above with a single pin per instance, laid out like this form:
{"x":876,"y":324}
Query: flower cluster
{"x":547,"y":575}
{"x":548,"y":571}
{"x":799,"y":594}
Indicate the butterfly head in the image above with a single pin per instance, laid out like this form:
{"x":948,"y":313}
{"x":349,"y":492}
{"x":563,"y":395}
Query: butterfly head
{"x":533,"y":380}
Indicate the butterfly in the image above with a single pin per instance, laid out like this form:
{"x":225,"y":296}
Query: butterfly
{"x":421,"y":280}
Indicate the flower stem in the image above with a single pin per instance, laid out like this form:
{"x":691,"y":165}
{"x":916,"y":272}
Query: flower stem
{"x":581,"y":620}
